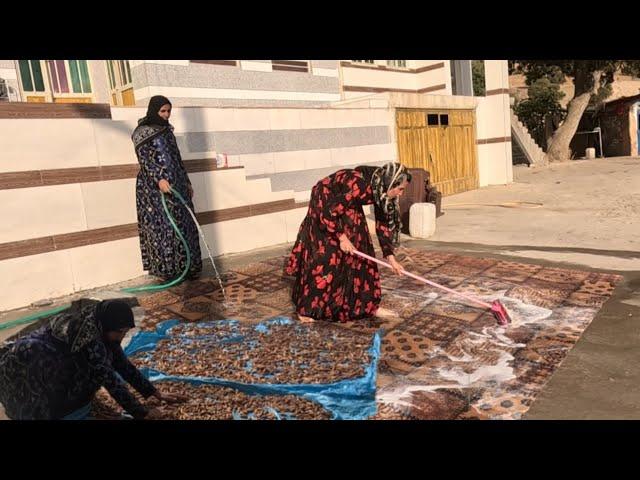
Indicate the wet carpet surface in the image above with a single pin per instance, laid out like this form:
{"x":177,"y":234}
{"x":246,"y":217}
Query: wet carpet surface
{"x":442,"y":357}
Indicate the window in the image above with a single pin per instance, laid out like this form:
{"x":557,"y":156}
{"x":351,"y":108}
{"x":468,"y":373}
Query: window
{"x":31,"y":75}
{"x":4,"y":91}
{"x":119,"y":73}
{"x":112,"y":75}
{"x":120,"y":82}
{"x":397,"y":63}
{"x":290,"y":65}
{"x":364,"y":61}
{"x":69,"y":76}
{"x":435,"y":119}
{"x":230,"y":63}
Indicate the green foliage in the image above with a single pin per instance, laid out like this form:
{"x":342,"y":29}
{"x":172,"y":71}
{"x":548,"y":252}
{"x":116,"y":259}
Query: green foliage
{"x":477,"y":71}
{"x":543,"y":102}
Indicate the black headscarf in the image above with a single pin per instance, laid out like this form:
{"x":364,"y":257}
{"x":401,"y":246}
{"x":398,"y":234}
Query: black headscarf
{"x":152,"y":117}
{"x":86,"y":320}
{"x":114,"y":315}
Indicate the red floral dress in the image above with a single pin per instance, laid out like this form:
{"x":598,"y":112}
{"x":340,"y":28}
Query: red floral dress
{"x":330,"y":284}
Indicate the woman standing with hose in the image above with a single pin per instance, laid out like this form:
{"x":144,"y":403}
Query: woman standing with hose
{"x":161,"y":170}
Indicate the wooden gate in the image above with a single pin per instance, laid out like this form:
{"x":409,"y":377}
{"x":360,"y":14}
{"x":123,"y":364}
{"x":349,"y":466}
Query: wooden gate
{"x":442,"y":142}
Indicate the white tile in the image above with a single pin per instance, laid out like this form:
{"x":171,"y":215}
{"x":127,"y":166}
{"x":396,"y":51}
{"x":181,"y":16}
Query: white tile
{"x":222,"y":189}
{"x":288,"y":161}
{"x":113,"y":142}
{"x":223,"y":119}
{"x":379,"y":103}
{"x":284,"y":119}
{"x":212,"y":233}
{"x":234,"y":160}
{"x":341,"y":156}
{"x":293,"y":220}
{"x":302,"y":196}
{"x":317,"y":118}
{"x":251,"y":119}
{"x":36,"y":144}
{"x":109,"y":203}
{"x":25,"y":280}
{"x":41,"y":211}
{"x":269,"y":229}
{"x":255,"y":66}
{"x":196,"y":155}
{"x":257,"y":163}
{"x":128,"y":114}
{"x":200,"y":192}
{"x":316,"y":158}
{"x":106,"y":263}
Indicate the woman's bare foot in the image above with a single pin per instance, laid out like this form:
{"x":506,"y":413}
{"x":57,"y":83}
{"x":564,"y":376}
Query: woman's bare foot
{"x":304,"y":319}
{"x":383,"y":312}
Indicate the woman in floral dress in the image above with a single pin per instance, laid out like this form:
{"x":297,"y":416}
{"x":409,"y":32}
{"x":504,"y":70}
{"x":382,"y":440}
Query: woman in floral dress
{"x":331,"y":283}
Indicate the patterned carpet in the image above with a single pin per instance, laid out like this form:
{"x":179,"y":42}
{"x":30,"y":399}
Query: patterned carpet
{"x":441,"y":358}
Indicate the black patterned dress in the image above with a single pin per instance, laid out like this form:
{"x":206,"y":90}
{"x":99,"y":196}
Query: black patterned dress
{"x":58,"y":369}
{"x":163,"y":254}
{"x":330,"y":284}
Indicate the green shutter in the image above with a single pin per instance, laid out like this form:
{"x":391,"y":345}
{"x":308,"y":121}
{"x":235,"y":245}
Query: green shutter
{"x":37,"y":75}
{"x":75,"y":76}
{"x":25,"y":75}
{"x":84,"y":76}
{"x":126,"y":62}
{"x":112,"y":81}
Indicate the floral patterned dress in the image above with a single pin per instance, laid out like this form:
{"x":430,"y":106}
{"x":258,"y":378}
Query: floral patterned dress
{"x":330,"y":284}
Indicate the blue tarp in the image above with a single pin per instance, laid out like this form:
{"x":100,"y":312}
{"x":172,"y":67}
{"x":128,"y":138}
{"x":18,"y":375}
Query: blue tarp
{"x":351,"y":399}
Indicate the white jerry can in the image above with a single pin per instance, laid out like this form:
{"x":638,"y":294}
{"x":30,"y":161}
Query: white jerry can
{"x":422,"y":220}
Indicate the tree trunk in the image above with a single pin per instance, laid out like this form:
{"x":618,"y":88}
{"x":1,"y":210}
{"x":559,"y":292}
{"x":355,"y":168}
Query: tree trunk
{"x":586,"y":84}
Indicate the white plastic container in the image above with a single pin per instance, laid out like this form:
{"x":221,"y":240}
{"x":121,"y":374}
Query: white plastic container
{"x":590,"y":153}
{"x":422,"y":220}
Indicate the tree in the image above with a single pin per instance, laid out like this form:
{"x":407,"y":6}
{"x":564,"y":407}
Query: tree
{"x":477,"y":71}
{"x":591,"y":79}
{"x":542,"y":104}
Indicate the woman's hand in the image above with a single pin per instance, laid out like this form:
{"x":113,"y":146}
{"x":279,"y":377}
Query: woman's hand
{"x":345,"y":244}
{"x":164,"y":186}
{"x":154,"y":414}
{"x":170,"y":397}
{"x":397,"y":267}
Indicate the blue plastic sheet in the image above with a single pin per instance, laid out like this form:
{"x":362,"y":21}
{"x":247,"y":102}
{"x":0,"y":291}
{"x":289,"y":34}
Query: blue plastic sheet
{"x":350,"y":399}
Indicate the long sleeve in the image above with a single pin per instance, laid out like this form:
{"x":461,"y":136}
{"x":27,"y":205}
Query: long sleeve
{"x":102,"y":371}
{"x":155,"y":159}
{"x":131,"y":374}
{"x":352,"y":190}
{"x":383,"y":232}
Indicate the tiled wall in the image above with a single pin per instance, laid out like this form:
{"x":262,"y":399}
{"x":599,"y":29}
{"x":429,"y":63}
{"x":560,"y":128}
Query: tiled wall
{"x":68,"y":187}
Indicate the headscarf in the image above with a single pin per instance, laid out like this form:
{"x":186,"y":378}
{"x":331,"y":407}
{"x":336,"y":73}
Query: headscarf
{"x":386,"y":177}
{"x":114,"y":315}
{"x":152,"y":117}
{"x":86,"y":320}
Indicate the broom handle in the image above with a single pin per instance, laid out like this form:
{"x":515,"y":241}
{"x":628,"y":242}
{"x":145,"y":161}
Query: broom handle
{"x":423,"y":280}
